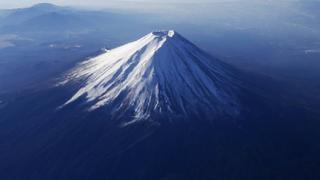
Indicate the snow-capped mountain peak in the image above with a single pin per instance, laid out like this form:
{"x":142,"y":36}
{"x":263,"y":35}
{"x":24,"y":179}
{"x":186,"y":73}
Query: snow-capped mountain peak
{"x":169,"y":33}
{"x":160,"y":74}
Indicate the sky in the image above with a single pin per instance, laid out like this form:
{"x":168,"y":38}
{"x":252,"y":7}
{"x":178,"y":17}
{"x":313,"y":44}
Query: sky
{"x":131,"y":4}
{"x":5,"y":4}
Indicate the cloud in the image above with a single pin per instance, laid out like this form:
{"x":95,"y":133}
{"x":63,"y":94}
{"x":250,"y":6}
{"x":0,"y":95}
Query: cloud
{"x":9,"y":40}
{"x":6,"y":44}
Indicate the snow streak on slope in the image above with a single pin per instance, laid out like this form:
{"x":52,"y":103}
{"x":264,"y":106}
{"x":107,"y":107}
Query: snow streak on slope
{"x":161,"y":73}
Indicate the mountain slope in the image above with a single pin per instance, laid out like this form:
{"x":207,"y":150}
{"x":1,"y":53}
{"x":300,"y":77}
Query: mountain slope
{"x":161,"y":73}
{"x":17,"y":16}
{"x":62,"y":21}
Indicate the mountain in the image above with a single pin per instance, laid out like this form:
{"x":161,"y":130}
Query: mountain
{"x":44,"y":18}
{"x":17,"y":16}
{"x":45,"y":7}
{"x":52,"y":19}
{"x":157,"y":108}
{"x":55,"y":21}
{"x":160,"y":74}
